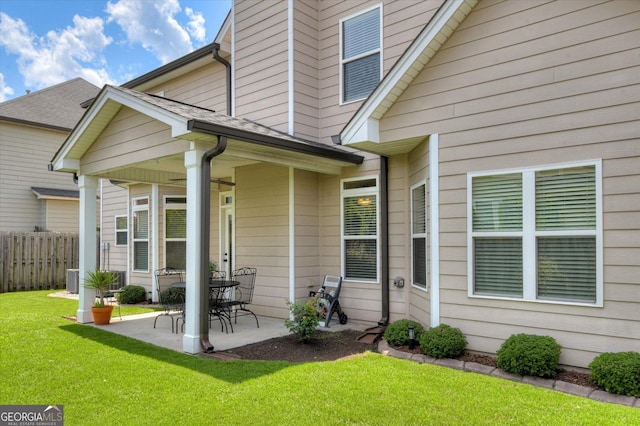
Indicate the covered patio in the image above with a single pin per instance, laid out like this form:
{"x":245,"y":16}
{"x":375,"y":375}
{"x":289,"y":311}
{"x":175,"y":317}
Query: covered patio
{"x":140,"y":327}
{"x":129,"y":136}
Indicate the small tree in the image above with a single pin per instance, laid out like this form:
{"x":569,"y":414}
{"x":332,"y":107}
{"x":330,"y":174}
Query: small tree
{"x":305,"y":318}
{"x":101,"y":281}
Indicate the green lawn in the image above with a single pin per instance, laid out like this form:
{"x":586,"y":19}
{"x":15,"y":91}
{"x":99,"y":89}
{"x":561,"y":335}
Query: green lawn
{"x":105,"y":379}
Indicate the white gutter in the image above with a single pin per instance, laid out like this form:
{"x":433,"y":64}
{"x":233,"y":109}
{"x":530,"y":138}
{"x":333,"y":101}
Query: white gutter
{"x":290,"y":72}
{"x":434,"y":229}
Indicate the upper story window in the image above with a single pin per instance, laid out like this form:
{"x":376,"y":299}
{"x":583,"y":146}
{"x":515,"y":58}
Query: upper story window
{"x":360,"y":229}
{"x":360,"y":54}
{"x":535,"y":234}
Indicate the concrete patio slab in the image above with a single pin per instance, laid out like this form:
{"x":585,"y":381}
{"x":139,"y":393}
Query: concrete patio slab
{"x":140,"y":327}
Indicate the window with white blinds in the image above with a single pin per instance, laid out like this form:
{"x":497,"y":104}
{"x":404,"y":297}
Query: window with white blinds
{"x":175,"y":237}
{"x":419,"y":236}
{"x":360,"y":229}
{"x":122,"y":230}
{"x":535,"y":234}
{"x":361,"y":54}
{"x":140,"y":220}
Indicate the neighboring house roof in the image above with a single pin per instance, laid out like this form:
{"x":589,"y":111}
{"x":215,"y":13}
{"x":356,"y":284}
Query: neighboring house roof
{"x":186,"y":122}
{"x":55,"y":194}
{"x":56,"y":107}
{"x":362,"y":131}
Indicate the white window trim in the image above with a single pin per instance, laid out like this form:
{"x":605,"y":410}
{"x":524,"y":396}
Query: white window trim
{"x":171,"y":206}
{"x":116,"y":230}
{"x":419,"y":235}
{"x":136,"y":208}
{"x":350,"y":193}
{"x":529,"y":234}
{"x":341,"y":61}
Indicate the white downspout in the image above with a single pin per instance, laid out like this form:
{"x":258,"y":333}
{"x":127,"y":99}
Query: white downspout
{"x":434,"y":229}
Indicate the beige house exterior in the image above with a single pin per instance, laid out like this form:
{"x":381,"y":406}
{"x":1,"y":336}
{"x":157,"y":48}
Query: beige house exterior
{"x":32,"y":127}
{"x":474,"y":163}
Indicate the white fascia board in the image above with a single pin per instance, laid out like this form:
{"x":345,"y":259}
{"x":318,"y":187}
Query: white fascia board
{"x":66,"y":164}
{"x":369,"y":131}
{"x":401,"y":68}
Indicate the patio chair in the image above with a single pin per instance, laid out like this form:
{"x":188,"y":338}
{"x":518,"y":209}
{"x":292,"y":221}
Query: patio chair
{"x":242,"y":293}
{"x":171,"y":299}
{"x":217,"y":298}
{"x":328,"y":300}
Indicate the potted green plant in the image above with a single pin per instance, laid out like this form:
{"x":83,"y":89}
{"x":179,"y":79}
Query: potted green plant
{"x":101,"y":281}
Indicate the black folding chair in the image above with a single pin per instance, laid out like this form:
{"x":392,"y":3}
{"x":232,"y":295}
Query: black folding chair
{"x":171,"y":299}
{"x":242,"y":293}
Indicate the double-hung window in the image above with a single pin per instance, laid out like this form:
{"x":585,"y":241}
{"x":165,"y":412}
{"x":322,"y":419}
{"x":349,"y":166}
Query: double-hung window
{"x":140,"y":220}
{"x":122,"y":230}
{"x":175,"y":228}
{"x":535,"y":234}
{"x":419,"y":236}
{"x":360,"y":229}
{"x":360,"y":54}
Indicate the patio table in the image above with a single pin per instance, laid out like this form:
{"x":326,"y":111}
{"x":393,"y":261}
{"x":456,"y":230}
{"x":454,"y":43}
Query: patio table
{"x":217,"y":292}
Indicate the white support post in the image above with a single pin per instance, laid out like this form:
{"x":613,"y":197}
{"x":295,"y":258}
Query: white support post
{"x":434,"y":231}
{"x":192,"y":331}
{"x":88,"y":186}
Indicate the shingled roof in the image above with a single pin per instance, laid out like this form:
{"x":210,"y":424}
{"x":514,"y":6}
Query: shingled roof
{"x":56,"y":107}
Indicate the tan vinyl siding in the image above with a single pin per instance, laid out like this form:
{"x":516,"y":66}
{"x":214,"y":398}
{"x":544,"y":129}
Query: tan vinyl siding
{"x":306,"y":72}
{"x":262,"y":233}
{"x":261,"y":62}
{"x":501,"y":98}
{"x":114,"y":201}
{"x":62,"y":215}
{"x":308,"y":275}
{"x":402,"y":22}
{"x":25,"y":153}
{"x":130,"y":137}
{"x":205,"y":87}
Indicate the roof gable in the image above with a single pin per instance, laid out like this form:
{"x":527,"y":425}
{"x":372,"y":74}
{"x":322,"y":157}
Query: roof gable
{"x":362,"y":131}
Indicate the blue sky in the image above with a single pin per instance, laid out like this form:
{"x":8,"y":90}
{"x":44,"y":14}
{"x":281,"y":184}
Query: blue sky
{"x":46,"y":42}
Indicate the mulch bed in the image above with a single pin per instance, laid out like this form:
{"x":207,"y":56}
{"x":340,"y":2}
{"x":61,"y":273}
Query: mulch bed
{"x":331,"y":346}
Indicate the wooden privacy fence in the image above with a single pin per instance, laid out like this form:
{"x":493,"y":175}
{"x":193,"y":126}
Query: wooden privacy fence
{"x":36,"y":260}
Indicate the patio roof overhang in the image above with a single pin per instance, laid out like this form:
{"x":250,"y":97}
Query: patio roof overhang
{"x":190,"y":127}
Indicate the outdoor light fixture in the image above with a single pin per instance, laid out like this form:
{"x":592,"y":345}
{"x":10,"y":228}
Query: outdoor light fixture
{"x":364,"y":201}
{"x":412,"y":337}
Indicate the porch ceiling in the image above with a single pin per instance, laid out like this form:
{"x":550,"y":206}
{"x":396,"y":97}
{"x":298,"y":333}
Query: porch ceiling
{"x":247,"y":142}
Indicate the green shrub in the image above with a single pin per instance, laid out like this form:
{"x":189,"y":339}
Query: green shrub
{"x":305,"y":318}
{"x":529,"y":355}
{"x":443,"y":341}
{"x":132,"y":294}
{"x":617,"y":372}
{"x":397,"y":333}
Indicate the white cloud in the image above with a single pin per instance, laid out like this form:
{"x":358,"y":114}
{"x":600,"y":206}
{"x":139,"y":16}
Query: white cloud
{"x":4,"y":89}
{"x":152,"y":23}
{"x":196,"y":25}
{"x":75,"y":51}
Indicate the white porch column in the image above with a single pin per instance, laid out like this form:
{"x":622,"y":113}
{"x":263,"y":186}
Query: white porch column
{"x":88,"y":186}
{"x":192,"y":331}
{"x":434,"y":231}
